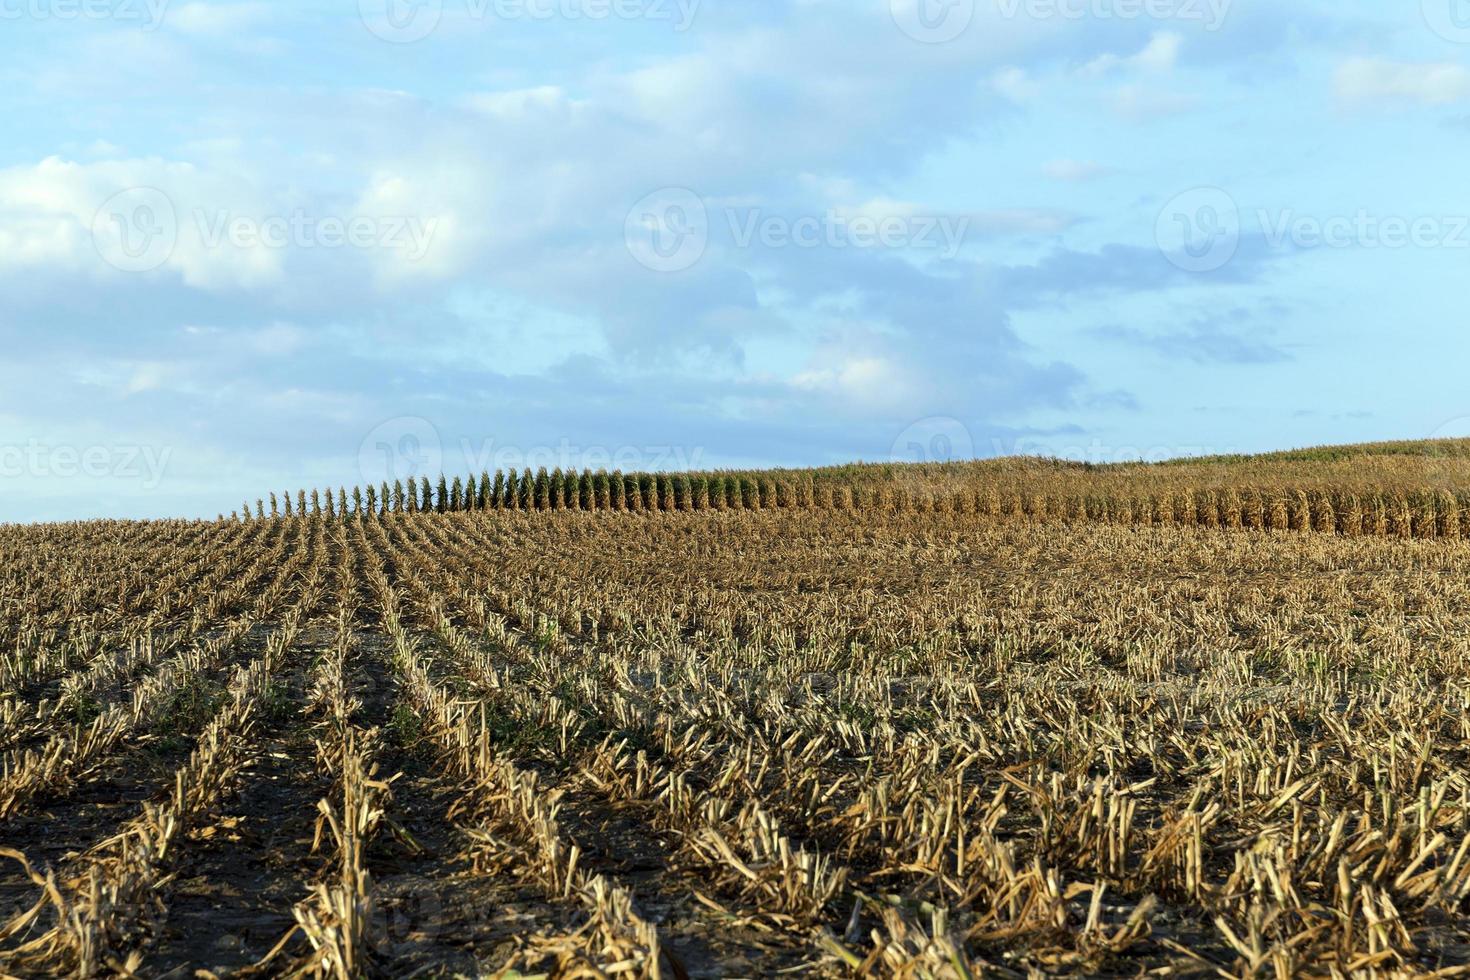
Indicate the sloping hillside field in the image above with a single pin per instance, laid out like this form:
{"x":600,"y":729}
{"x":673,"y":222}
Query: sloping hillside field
{"x":917,"y":737}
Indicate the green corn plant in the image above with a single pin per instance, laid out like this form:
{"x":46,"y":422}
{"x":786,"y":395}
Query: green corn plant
{"x":471,"y":493}
{"x":512,"y":497}
{"x":618,"y":488}
{"x":525,"y":490}
{"x":543,"y":490}
{"x":586,"y":492}
{"x":602,"y":491}
{"x":569,"y":489}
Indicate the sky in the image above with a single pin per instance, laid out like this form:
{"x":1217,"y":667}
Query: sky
{"x":249,"y":246}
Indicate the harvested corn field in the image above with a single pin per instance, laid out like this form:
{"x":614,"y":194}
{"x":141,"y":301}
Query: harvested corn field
{"x":939,"y":743}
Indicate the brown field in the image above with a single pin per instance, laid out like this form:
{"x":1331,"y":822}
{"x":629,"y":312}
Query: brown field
{"x":912,"y":739}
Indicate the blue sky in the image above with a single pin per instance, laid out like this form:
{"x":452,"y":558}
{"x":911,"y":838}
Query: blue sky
{"x":251,"y":246}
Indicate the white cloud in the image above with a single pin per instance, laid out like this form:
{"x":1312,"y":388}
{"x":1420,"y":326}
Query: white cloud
{"x":1021,"y":221}
{"x":525,"y":104}
{"x":858,"y":380}
{"x":216,"y":19}
{"x":1159,"y":56}
{"x":1015,"y":85}
{"x":421,"y":223}
{"x":1073,"y":170}
{"x":216,"y":230}
{"x":51,"y":210}
{"x":1376,"y":79}
{"x":1140,"y":102}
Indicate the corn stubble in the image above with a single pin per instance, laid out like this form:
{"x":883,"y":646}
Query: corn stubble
{"x":1050,"y":731}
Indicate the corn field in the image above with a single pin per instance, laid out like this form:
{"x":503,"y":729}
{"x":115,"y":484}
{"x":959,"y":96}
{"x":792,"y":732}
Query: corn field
{"x":1056,"y":723}
{"x":1385,"y":491}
